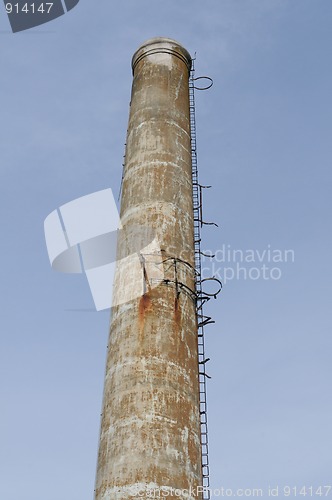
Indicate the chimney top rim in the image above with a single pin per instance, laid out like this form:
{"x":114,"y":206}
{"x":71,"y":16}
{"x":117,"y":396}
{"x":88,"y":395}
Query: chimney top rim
{"x":161,"y":45}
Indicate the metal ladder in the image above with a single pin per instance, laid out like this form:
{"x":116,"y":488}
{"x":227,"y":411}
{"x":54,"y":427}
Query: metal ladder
{"x":197,"y":206}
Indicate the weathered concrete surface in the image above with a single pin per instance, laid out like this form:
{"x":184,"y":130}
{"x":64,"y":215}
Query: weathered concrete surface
{"x":150,"y":431}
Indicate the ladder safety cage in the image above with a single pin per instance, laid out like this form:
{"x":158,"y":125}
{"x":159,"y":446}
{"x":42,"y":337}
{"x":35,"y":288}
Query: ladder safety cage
{"x":201,"y":296}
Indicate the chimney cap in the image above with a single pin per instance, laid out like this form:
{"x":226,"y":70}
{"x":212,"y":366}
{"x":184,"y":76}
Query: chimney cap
{"x":161,"y":45}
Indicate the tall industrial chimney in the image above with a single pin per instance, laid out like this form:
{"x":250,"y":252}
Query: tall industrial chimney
{"x":150,"y":429}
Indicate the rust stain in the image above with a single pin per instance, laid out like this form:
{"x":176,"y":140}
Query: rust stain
{"x":145,"y":305}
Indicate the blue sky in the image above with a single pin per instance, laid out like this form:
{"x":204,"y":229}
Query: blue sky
{"x":263,"y":134}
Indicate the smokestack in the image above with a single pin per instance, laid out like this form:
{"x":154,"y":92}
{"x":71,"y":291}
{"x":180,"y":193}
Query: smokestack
{"x":150,"y":429}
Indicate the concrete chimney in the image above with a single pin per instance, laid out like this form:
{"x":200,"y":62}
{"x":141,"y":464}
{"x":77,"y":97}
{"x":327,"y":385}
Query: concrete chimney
{"x":150,"y":428}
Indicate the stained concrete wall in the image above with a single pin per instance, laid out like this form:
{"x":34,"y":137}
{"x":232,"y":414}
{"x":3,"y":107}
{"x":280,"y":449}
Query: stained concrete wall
{"x":150,"y":431}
